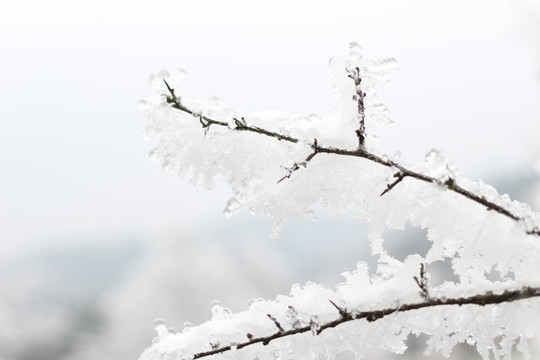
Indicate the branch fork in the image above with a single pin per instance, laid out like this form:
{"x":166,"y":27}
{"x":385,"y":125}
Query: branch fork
{"x":278,"y":325}
{"x":296,"y":166}
{"x":399,"y":177}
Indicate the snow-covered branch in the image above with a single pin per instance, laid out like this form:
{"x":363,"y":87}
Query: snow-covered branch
{"x":296,"y":322}
{"x":282,"y":166}
{"x":346,"y":315}
{"x":400,"y":173}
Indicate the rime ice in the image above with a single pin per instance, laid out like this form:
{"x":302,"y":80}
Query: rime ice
{"x":285,"y":179}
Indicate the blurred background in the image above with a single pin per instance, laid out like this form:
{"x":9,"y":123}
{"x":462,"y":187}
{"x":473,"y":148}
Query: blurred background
{"x":96,"y":241}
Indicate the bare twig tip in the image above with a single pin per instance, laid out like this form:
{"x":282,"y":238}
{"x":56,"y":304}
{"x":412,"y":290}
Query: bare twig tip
{"x":278,"y":325}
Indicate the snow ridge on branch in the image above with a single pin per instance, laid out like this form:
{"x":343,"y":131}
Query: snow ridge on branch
{"x":487,"y":298}
{"x":401,"y":173}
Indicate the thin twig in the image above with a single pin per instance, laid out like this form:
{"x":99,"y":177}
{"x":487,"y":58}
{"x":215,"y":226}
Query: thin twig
{"x":354,"y":74}
{"x":361,"y":152}
{"x":344,"y":313}
{"x":296,"y":166}
{"x":488,"y":298}
{"x":389,"y":187}
{"x":278,"y":325}
{"x":422,"y":283}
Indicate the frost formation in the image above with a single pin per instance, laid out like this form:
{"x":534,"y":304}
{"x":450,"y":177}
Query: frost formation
{"x":277,"y":178}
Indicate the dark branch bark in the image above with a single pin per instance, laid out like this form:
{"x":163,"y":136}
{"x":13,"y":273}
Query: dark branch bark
{"x":278,"y":325}
{"x":389,"y":187}
{"x":422,"y":283}
{"x":487,"y":298}
{"x":354,"y":74}
{"x":361,"y":152}
{"x":342,"y":312}
{"x":206,"y":121}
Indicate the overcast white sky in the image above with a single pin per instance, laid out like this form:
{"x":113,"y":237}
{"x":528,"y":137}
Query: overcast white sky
{"x":72,"y":160}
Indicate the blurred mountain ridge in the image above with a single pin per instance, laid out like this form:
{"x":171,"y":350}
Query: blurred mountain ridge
{"x":99,"y":300}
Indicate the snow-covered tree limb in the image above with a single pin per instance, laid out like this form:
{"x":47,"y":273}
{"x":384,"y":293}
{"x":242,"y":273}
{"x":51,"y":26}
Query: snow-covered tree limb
{"x":347,"y":315}
{"x":401,"y":171}
{"x":282,"y":166}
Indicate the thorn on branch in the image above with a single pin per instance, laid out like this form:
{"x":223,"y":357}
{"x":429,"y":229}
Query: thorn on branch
{"x":400,"y":176}
{"x":172,"y":98}
{"x":315,"y":146}
{"x":240,"y":123}
{"x":296,"y":166}
{"x":171,"y":90}
{"x":292,"y":169}
{"x":345,"y":315}
{"x":176,"y":103}
{"x":422,"y":283}
{"x":278,"y":325}
{"x":204,"y":124}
